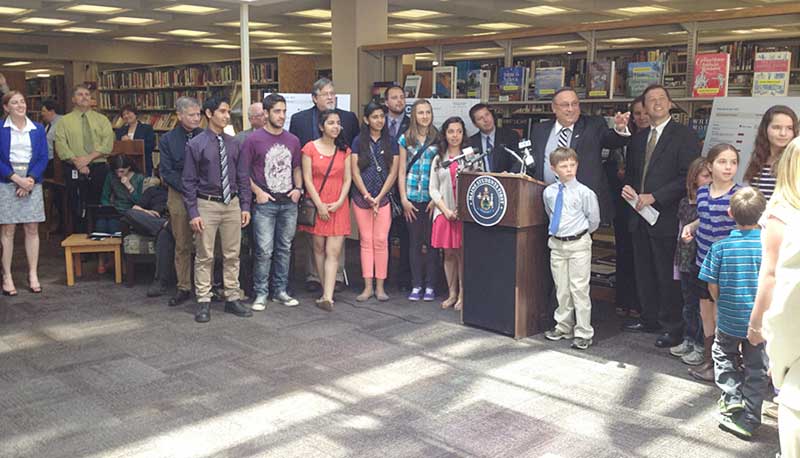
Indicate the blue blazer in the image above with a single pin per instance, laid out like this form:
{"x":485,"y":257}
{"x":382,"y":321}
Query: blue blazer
{"x":303,"y":125}
{"x":143,"y":132}
{"x":38,"y":160}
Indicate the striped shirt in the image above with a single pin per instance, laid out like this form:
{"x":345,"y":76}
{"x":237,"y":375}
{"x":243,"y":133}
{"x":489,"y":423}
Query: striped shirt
{"x":418,"y":177}
{"x":715,"y":224}
{"x":765,"y":181}
{"x":733,"y":264}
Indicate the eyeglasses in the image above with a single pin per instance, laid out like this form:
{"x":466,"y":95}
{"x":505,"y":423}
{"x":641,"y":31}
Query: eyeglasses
{"x":566,"y":105}
{"x":327,"y":94}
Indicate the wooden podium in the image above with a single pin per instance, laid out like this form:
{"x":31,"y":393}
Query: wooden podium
{"x":506,"y":264}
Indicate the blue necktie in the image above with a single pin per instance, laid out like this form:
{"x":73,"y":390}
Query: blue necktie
{"x":393,"y":128}
{"x":488,"y":151}
{"x":555,"y":220}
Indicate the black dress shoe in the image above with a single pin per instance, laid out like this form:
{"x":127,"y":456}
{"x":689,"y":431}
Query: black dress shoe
{"x":179,"y":298}
{"x":156,"y":289}
{"x":667,"y":340}
{"x":237,"y":309}
{"x":203,"y":312}
{"x":313,"y":286}
{"x":338,"y":287}
{"x":639,"y":326}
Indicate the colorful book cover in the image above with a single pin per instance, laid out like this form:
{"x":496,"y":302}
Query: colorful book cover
{"x":711,"y":75}
{"x":444,"y":82}
{"x":511,"y":80}
{"x":641,"y":75}
{"x":547,"y":80}
{"x":771,"y":73}
{"x":473,"y":84}
{"x":601,"y":79}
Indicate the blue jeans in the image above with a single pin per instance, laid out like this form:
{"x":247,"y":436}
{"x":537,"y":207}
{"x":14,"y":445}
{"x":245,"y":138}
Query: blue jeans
{"x":274,"y":226}
{"x":747,"y":385}
{"x":691,"y":311}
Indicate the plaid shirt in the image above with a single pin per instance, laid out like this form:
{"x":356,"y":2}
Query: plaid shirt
{"x":418,"y":176}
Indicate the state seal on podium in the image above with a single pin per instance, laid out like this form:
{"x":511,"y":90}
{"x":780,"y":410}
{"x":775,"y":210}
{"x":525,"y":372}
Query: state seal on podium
{"x":486,"y":200}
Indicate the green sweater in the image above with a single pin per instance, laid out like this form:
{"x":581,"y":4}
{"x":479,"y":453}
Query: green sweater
{"x":116,"y":194}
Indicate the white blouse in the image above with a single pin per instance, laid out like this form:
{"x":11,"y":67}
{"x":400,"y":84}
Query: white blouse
{"x":21,"y":149}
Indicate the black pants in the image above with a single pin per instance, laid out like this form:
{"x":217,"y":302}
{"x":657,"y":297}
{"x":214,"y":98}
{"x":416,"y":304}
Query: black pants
{"x":659,"y":293}
{"x":82,"y":191}
{"x":152,"y":226}
{"x":400,"y":270}
{"x":423,"y":258}
{"x":627,"y":295}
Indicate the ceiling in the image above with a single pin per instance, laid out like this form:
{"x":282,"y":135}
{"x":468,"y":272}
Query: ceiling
{"x":282,"y":26}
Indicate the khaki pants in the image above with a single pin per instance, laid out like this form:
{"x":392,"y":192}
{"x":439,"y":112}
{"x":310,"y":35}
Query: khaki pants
{"x":179,"y":220}
{"x":571,"y":264}
{"x":227,"y":220}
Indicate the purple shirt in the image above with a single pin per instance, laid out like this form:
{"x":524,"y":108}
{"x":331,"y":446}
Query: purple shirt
{"x":202,"y":171}
{"x":272,"y":160}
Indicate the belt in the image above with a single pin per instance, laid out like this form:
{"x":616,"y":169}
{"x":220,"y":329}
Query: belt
{"x":570,"y":238}
{"x":213,"y":198}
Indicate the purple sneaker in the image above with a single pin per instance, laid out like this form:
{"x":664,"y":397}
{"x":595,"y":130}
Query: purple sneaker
{"x":416,"y":294}
{"x":429,"y":295}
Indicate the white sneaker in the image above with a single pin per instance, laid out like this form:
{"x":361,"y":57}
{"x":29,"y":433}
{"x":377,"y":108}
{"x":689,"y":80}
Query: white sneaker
{"x":259,"y":304}
{"x":285,"y":299}
{"x":684,"y":348}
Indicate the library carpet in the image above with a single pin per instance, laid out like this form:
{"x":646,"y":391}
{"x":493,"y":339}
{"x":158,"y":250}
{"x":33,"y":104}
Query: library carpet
{"x":99,"y":370}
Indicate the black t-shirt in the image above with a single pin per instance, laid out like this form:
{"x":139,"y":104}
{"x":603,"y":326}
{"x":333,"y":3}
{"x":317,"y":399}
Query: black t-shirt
{"x":154,"y":198}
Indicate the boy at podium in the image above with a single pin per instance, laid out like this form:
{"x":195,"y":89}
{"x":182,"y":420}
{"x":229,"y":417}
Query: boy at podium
{"x":574,"y":214}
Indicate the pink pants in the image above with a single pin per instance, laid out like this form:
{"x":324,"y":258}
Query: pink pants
{"x":373,"y":230}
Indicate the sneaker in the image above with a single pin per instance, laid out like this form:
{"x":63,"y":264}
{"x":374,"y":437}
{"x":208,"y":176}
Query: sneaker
{"x":737,"y":425}
{"x":259,"y":304}
{"x":581,"y":344}
{"x":429,"y":295}
{"x":682,"y":349}
{"x":285,"y":299}
{"x":416,"y":294}
{"x":695,"y":357}
{"x":731,"y":408}
{"x":556,"y":334}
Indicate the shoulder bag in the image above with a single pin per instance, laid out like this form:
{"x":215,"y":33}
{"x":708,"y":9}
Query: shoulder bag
{"x":306,"y":209}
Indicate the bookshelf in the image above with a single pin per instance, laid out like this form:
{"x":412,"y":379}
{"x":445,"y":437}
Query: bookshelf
{"x":40,"y":89}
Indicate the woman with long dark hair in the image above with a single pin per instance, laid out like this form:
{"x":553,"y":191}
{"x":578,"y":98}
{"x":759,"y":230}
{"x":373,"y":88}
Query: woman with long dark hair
{"x":778,"y":127}
{"x":329,"y":155}
{"x":374,"y":170}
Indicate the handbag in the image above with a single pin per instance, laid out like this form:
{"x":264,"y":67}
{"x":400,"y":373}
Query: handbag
{"x":397,"y":209}
{"x":306,"y":209}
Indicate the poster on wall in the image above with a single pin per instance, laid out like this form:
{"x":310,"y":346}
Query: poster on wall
{"x":445,"y":108}
{"x":444,"y":79}
{"x":300,"y":102}
{"x":411,"y":86}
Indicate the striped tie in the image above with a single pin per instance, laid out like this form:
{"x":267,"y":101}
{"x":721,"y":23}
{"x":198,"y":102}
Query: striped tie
{"x":563,"y":137}
{"x":223,"y":161}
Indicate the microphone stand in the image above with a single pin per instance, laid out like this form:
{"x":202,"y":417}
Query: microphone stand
{"x":524,"y":168}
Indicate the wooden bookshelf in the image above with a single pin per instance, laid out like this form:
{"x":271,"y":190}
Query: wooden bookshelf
{"x":39,"y":89}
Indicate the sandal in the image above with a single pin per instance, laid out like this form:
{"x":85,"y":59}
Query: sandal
{"x":449,"y":302}
{"x":382,"y":297}
{"x":458,"y":305}
{"x":11,"y":293}
{"x":363,"y":297}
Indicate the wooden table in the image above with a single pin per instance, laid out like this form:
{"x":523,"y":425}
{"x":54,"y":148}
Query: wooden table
{"x":76,"y":244}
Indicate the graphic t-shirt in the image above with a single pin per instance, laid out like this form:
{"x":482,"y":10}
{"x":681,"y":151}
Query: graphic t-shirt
{"x":272,"y":159}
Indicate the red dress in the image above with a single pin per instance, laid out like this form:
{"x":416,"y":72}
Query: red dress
{"x":446,"y":233}
{"x":339,"y":221}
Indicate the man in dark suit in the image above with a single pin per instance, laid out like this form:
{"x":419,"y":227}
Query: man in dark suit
{"x":655,"y":173}
{"x":587,"y":135}
{"x":397,"y":123}
{"x":493,"y":139}
{"x":305,"y":126}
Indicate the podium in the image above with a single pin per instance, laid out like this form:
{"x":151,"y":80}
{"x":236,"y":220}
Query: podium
{"x":506,"y":264}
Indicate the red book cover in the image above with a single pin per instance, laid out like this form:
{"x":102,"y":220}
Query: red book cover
{"x":711,"y":75}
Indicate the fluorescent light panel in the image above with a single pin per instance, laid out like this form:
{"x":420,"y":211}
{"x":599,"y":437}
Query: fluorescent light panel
{"x":130,"y":20}
{"x":209,"y":40}
{"x":43,"y":21}
{"x":265,"y":33}
{"x":43,"y":75}
{"x":642,"y":10}
{"x":625,"y":40}
{"x":12,"y":11}
{"x":223,"y":46}
{"x":316,"y":13}
{"x":318,"y":25}
{"x":498,"y":26}
{"x":186,"y":33}
{"x":16,"y":63}
{"x":140,"y":39}
{"x":14,"y":30}
{"x":82,"y":30}
{"x":417,"y":14}
{"x":542,"y":47}
{"x":250,"y":25}
{"x":277,"y":41}
{"x":93,"y":9}
{"x":190,"y":9}
{"x":757,"y":30}
{"x":543,"y":10}
{"x":414,"y":35}
{"x":416,"y":25}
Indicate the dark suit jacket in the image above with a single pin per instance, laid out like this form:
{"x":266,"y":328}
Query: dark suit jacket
{"x":589,"y":136}
{"x":143,"y":132}
{"x":38,"y":159}
{"x":400,"y":130}
{"x":666,"y":174}
{"x":499,"y":159}
{"x":172,"y":148}
{"x":303,"y":125}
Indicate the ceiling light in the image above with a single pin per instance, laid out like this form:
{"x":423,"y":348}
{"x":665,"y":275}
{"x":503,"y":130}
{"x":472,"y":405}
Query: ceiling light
{"x":82,"y":30}
{"x":14,"y":30}
{"x":498,"y":26}
{"x":416,"y":25}
{"x":250,"y":25}
{"x":187,"y":33}
{"x":758,"y":30}
{"x":289,"y":48}
{"x":93,"y":9}
{"x":302,"y":53}
{"x":315,"y":13}
{"x":130,"y":20}
{"x":12,"y":11}
{"x":38,"y":70}
{"x":542,"y":10}
{"x":140,"y":39}
{"x":677,"y":32}
{"x":625,"y":40}
{"x":16,"y":63}
{"x":225,"y":46}
{"x":415,"y":35}
{"x":542,"y":47}
{"x":642,"y":10}
{"x":473,"y":53}
{"x":719,"y":10}
{"x":417,"y":14}
{"x":318,"y":25}
{"x":210,"y":40}
{"x":43,"y":21}
{"x":424,"y":56}
{"x":43,"y":75}
{"x":265,"y":33}
{"x":190,"y":9}
{"x":324,"y":34}
{"x":277,"y":41}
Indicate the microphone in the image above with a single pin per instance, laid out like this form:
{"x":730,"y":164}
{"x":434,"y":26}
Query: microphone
{"x":466,"y":155}
{"x":516,"y":156}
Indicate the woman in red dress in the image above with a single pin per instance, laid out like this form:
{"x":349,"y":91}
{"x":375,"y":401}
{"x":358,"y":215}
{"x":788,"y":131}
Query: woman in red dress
{"x":330,"y":198}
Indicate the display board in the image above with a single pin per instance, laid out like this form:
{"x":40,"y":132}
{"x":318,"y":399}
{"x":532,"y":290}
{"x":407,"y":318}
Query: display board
{"x":735,"y":120}
{"x":300,"y":102}
{"x":445,"y":108}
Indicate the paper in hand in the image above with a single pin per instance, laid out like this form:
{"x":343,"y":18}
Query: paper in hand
{"x":649,"y":213}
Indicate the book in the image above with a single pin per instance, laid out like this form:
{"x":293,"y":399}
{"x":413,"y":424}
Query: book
{"x":477,"y":84}
{"x":771,"y":73}
{"x":601,"y":79}
{"x":547,"y":80}
{"x":444,"y":81}
{"x":711,"y":75}
{"x":511,"y":80}
{"x":411,"y":86}
{"x":641,"y":75}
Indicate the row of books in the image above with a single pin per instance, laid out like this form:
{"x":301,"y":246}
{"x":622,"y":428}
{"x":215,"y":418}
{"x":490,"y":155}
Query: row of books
{"x":742,"y":55}
{"x":260,"y":72}
{"x":159,"y":121}
{"x":162,"y":100}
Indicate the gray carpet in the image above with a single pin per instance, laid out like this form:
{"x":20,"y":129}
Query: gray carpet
{"x":99,"y":370}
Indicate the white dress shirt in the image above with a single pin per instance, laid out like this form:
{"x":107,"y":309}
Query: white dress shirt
{"x":580,"y":210}
{"x":21,"y":149}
